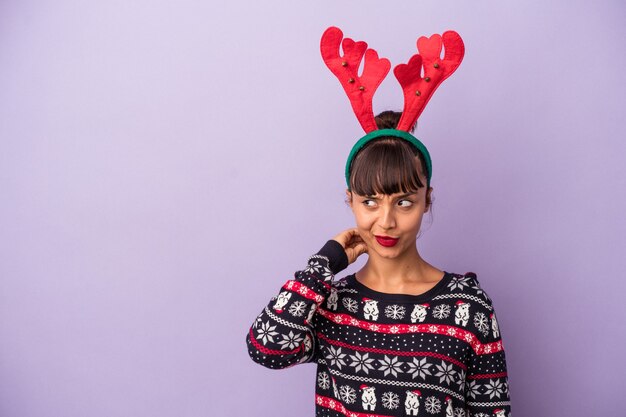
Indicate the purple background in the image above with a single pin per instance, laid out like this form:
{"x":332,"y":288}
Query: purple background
{"x":166,"y":166}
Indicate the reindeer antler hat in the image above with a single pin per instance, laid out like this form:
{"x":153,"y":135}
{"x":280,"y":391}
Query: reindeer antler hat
{"x":417,"y":89}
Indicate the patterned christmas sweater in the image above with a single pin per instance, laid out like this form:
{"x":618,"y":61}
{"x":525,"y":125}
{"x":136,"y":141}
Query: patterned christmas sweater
{"x":378,"y":354}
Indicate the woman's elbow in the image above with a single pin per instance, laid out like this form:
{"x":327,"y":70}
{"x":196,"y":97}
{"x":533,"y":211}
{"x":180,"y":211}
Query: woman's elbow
{"x":268,"y":359}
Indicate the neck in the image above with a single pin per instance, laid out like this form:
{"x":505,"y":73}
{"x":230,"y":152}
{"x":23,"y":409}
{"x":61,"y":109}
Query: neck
{"x":390,"y":273}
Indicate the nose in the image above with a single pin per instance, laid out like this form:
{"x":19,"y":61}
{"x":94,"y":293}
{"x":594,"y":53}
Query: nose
{"x":387,"y":218}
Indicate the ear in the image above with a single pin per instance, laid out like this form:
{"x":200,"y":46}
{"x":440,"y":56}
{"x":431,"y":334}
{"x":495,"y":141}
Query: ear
{"x":428,"y":199}
{"x":349,"y":197}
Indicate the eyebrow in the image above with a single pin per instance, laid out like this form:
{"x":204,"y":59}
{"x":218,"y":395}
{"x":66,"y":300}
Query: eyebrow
{"x":400,"y":196}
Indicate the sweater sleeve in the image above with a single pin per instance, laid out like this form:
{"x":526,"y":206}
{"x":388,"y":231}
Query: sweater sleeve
{"x":487,"y":387}
{"x":282,"y":334}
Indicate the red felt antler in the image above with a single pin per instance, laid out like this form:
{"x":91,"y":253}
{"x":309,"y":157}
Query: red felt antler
{"x":360,"y":89}
{"x":417,"y":89}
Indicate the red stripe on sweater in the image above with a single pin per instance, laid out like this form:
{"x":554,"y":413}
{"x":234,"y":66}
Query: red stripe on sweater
{"x":303,"y":290}
{"x":338,"y":406}
{"x":267,"y":351}
{"x":442,"y":329}
{"x":392,"y":352}
{"x":484,"y":376}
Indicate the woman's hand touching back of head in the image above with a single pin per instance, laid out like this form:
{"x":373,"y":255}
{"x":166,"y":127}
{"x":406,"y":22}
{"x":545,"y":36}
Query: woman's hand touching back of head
{"x":352,"y":243}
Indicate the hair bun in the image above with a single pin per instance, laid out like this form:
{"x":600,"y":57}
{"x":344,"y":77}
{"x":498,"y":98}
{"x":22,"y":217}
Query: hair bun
{"x":388,"y":119}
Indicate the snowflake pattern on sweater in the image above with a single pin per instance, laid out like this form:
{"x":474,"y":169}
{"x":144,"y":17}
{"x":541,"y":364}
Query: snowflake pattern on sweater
{"x":377,"y":354}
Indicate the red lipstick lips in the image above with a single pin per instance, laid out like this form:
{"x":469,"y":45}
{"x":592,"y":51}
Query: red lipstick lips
{"x":386,"y":240}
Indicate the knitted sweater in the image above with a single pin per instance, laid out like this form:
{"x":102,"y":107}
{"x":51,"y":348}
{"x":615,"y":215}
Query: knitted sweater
{"x":439,"y":353}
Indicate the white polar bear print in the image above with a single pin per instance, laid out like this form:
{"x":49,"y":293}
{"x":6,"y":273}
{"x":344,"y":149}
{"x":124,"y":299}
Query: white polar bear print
{"x":499,"y":413}
{"x":370,"y":309}
{"x":283,"y":299}
{"x":494,"y":326}
{"x":412,"y":402}
{"x":368,"y":398}
{"x":419,"y":312}
{"x":308,"y":344}
{"x":449,"y":409}
{"x":331,"y":302}
{"x":309,"y":317}
{"x":335,"y":389}
{"x":461,"y":315}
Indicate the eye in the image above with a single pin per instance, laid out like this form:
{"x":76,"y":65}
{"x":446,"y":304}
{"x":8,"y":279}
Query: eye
{"x":408,"y":201}
{"x":367,"y":205}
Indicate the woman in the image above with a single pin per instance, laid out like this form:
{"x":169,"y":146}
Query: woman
{"x":400,"y":336}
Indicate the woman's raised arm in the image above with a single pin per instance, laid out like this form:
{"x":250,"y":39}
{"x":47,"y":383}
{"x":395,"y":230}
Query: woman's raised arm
{"x":282,"y":335}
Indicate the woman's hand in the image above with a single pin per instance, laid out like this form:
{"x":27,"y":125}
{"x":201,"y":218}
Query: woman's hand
{"x":352,"y":244}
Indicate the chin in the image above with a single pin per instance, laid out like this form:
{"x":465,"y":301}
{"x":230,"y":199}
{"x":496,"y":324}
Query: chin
{"x":389,"y":252}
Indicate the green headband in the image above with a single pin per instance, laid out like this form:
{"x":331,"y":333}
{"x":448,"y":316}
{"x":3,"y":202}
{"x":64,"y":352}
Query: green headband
{"x":395,"y":133}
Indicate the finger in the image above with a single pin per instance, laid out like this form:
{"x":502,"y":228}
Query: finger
{"x":357,"y":241}
{"x":354,"y":234}
{"x":347,"y":234}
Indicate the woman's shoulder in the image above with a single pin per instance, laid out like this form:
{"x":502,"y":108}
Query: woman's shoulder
{"x":467,"y":286}
{"x":341,"y":282}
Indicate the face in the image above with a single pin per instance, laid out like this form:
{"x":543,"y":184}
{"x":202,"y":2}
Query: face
{"x":395,"y":216}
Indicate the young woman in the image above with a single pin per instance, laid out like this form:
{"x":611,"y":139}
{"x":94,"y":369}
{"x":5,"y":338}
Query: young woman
{"x":400,"y":336}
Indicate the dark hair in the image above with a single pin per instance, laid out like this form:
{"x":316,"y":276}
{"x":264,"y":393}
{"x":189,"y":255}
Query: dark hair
{"x":387,"y":165}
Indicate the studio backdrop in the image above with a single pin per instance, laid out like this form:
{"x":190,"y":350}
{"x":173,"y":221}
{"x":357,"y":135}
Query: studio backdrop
{"x":166,"y":166}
